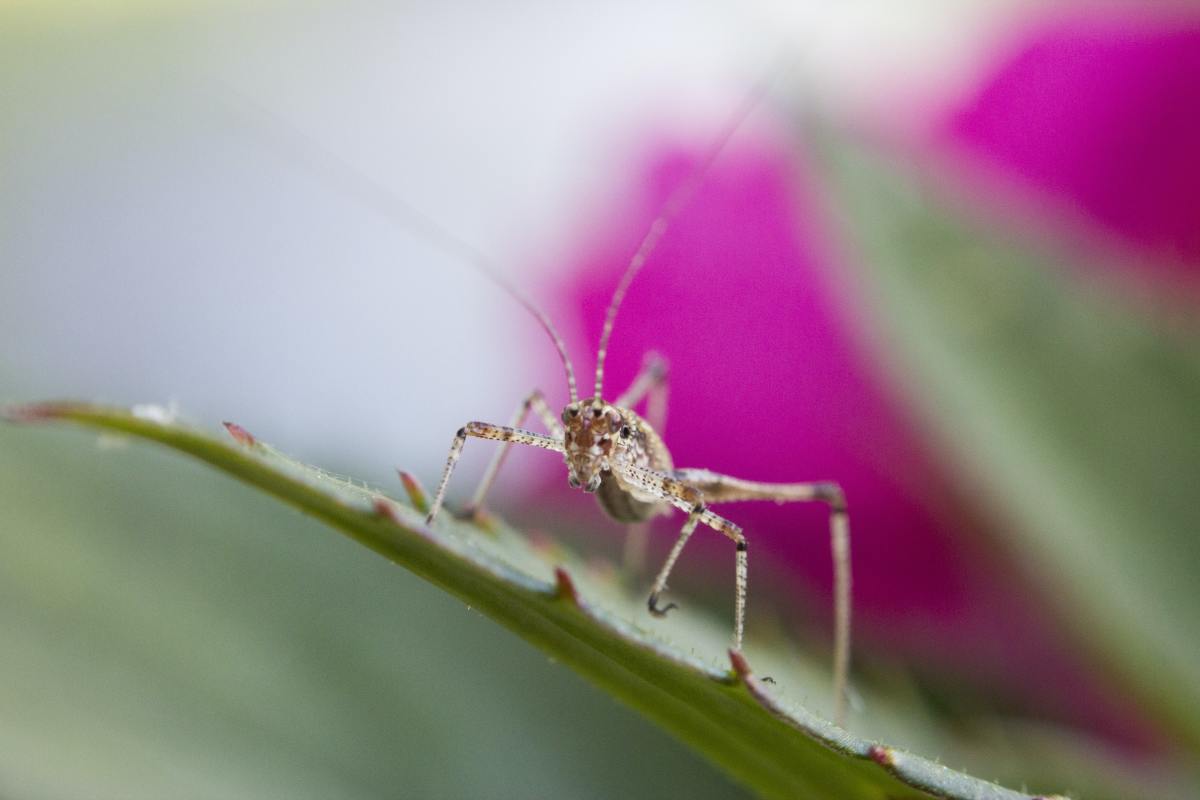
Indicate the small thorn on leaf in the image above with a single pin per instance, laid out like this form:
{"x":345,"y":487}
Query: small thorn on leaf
{"x":541,"y":542}
{"x":565,"y":586}
{"x":478,"y":517}
{"x":883,"y":756}
{"x":741,"y":667}
{"x":546,"y":547}
{"x":240,"y":434}
{"x":384,"y":508}
{"x":414,"y":490}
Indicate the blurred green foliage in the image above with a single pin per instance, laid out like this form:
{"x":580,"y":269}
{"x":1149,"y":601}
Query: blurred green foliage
{"x":758,"y":735}
{"x":165,"y":632}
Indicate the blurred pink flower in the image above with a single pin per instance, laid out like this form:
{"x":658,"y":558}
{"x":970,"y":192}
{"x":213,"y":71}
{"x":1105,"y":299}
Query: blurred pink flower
{"x":1103,"y":112}
{"x":765,"y":379}
{"x":769,"y":376}
{"x":768,"y":381}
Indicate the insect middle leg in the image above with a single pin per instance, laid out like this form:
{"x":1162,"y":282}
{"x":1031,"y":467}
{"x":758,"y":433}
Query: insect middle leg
{"x":651,"y":383}
{"x":535,"y":402}
{"x":719,"y":488}
{"x":485,"y":430}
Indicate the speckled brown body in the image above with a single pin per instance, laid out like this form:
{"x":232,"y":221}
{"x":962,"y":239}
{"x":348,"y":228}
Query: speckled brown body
{"x":620,"y":504}
{"x":600,"y":441}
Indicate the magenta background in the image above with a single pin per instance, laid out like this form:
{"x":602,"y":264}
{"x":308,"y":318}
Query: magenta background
{"x":1103,"y":112}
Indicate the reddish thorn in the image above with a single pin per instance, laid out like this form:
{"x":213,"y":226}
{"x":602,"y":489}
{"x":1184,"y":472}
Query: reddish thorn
{"x":414,"y":490}
{"x":479,"y":518}
{"x":384,"y":508}
{"x":883,"y":756}
{"x":540,"y":541}
{"x":565,"y":586}
{"x":34,"y":412}
{"x":741,"y":667}
{"x":240,"y":434}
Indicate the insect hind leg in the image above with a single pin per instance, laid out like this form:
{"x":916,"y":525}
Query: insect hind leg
{"x":719,"y":488}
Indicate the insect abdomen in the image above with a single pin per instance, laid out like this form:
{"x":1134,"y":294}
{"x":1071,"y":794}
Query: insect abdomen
{"x":620,"y":504}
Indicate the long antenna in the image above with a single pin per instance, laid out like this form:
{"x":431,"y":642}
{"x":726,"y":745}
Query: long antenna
{"x":315,"y":156}
{"x":676,"y":202}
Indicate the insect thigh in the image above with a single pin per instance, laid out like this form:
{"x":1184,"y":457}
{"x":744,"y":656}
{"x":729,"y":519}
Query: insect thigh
{"x":536,"y":402}
{"x":485,"y":430}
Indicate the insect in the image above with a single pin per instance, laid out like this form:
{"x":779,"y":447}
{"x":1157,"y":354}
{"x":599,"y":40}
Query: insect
{"x":613,"y":452}
{"x":609,"y":449}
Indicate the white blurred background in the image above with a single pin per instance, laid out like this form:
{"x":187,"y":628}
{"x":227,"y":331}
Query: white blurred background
{"x":165,"y":241}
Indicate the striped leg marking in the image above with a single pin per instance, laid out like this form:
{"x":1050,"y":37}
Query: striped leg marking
{"x":690,"y":499}
{"x":484,"y":430}
{"x":536,"y":402}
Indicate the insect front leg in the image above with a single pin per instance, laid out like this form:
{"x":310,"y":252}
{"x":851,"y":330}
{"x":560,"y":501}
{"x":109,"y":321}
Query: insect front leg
{"x":484,"y":430}
{"x":719,"y":488}
{"x":536,"y":402}
{"x":691,"y":499}
{"x":701,"y":514}
{"x":660,"y":581}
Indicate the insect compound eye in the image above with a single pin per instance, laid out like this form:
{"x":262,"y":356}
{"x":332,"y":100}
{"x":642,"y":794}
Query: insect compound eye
{"x":625,"y":431}
{"x":570,"y":413}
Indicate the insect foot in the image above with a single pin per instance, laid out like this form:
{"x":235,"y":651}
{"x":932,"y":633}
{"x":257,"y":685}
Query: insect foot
{"x":471,"y":513}
{"x":655,"y":608}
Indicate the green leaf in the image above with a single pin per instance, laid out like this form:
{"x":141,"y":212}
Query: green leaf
{"x":741,"y":723}
{"x":1065,"y":405}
